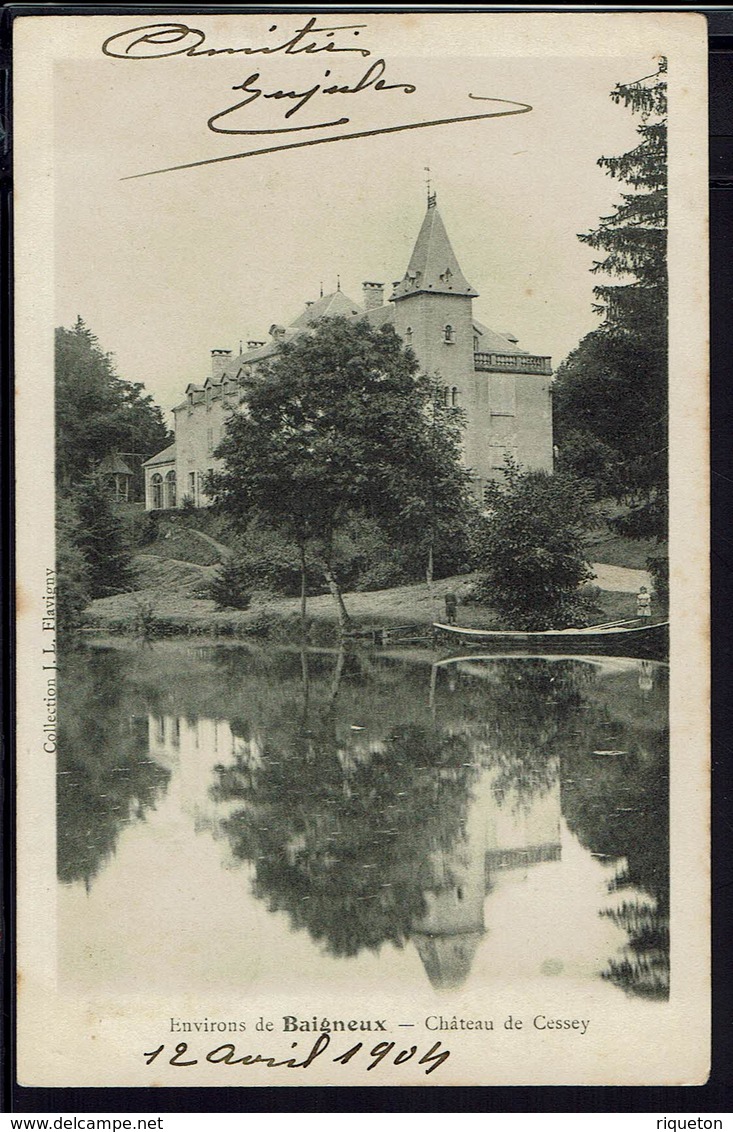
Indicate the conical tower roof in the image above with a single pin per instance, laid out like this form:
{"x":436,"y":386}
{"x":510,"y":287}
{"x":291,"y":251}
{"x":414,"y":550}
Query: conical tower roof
{"x":433,"y":265}
{"x":447,"y":959}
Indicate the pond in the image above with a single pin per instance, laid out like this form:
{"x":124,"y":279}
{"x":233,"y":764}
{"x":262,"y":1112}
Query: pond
{"x":262,"y":818}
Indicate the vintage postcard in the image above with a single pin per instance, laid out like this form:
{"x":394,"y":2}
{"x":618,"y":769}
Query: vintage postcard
{"x":361,"y":414}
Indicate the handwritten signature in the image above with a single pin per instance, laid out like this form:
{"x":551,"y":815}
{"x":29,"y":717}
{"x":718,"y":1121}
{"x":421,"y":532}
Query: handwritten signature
{"x":228,"y":1054}
{"x":372,"y":78}
{"x":163,"y":41}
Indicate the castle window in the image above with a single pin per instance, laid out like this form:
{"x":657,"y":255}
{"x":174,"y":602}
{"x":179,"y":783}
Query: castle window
{"x":192,"y":486}
{"x":209,"y":440}
{"x":170,"y":488}
{"x":454,"y":397}
{"x":156,"y":484}
{"x":408,"y":335}
{"x":449,"y":334}
{"x":475,"y":343}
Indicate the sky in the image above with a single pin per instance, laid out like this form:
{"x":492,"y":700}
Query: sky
{"x":165,"y":268}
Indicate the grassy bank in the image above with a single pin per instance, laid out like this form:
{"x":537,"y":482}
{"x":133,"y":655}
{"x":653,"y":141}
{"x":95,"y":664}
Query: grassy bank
{"x":158,"y":612}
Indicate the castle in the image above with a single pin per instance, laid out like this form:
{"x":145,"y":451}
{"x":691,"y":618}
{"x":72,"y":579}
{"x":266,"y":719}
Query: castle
{"x":504,"y":391}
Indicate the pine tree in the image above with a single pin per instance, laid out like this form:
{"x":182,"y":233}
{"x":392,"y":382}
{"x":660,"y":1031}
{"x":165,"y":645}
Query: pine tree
{"x":634,"y":236}
{"x":100,"y":538}
{"x":610,"y":394}
{"x":97,"y":412}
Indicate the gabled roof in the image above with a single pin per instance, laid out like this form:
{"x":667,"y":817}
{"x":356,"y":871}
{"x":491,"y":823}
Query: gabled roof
{"x":379,"y":316}
{"x":493,"y":343}
{"x":167,"y":456}
{"x":328,"y":307}
{"x":115,"y":465}
{"x":433,"y":265}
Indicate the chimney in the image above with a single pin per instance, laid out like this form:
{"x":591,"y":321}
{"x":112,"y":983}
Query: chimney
{"x":219,"y":359}
{"x":253,"y":344}
{"x":373,"y":294}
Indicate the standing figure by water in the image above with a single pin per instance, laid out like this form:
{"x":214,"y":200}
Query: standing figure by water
{"x":643,"y":603}
{"x":451,"y":608}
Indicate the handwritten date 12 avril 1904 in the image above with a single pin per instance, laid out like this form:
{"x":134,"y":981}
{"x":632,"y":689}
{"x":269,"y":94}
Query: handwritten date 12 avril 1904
{"x":228,"y":1054}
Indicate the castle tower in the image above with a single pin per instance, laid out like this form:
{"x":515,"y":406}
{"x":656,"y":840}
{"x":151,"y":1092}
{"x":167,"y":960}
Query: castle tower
{"x":503,"y":390}
{"x":434,"y":313}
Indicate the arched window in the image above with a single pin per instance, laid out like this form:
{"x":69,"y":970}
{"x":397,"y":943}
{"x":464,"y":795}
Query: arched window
{"x":408,"y":336}
{"x":170,"y":488}
{"x":449,"y":334}
{"x":454,"y":396}
{"x":157,"y":486}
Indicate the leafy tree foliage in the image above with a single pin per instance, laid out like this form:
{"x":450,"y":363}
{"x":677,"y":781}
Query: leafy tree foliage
{"x":101,"y":540}
{"x":97,"y":412}
{"x":338,"y":424}
{"x":72,"y":574}
{"x":106,"y":778}
{"x":533,"y":549}
{"x":610,"y":395}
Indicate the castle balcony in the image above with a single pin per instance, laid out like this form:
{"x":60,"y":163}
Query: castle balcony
{"x":512,"y":363}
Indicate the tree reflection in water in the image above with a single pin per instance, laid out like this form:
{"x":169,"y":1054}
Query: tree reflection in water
{"x":105,"y":776}
{"x":341,"y":832}
{"x":372,"y":796}
{"x":363,"y":842}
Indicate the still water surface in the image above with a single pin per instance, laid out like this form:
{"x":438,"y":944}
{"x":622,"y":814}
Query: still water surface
{"x":254,"y":817}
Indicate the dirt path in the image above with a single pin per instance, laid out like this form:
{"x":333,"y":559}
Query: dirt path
{"x":620,"y":579}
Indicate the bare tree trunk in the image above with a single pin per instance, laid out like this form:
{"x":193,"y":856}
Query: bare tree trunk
{"x":333,"y":586}
{"x":303,"y":588}
{"x":429,"y":570}
{"x":337,"y":674}
{"x":305,"y":678}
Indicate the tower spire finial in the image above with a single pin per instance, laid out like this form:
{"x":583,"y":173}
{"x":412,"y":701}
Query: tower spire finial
{"x":338,"y":282}
{"x":321,"y":288}
{"x":428,"y":183}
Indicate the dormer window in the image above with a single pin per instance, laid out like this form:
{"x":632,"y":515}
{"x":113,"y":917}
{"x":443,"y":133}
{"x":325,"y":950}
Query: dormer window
{"x":449,"y":334}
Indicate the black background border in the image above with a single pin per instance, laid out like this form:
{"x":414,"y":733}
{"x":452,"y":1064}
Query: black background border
{"x":714,"y":1097}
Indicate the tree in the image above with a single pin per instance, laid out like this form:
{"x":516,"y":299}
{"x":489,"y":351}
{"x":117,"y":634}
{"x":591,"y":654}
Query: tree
{"x":72,"y":573}
{"x":610,"y":395}
{"x":533,"y":549}
{"x":337,"y":424}
{"x":101,"y":540}
{"x":97,"y":412}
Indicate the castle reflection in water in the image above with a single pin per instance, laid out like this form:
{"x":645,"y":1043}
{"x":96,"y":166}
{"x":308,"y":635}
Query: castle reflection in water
{"x":369,"y":826}
{"x":462,"y":821}
{"x":496,"y":836}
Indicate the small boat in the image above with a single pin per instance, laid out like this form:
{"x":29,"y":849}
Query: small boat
{"x":622,"y":638}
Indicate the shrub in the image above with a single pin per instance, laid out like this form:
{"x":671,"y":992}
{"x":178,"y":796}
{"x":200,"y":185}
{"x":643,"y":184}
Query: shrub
{"x":532,"y":548}
{"x":230,"y":587}
{"x":658,"y":567}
